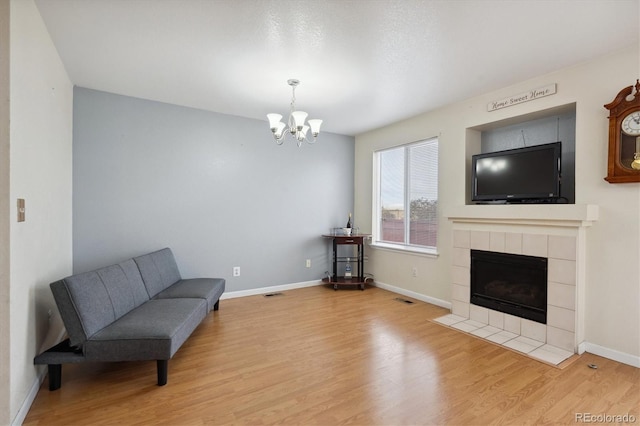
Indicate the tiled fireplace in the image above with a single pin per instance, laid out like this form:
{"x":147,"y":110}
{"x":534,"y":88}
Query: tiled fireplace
{"x":555,"y":232}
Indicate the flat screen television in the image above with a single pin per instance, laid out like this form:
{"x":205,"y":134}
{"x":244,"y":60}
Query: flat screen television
{"x":522,"y":175}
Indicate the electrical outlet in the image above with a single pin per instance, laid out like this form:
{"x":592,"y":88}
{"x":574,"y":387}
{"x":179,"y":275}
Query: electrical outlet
{"x":308,"y":263}
{"x":414,"y":272}
{"x":236,"y":271}
{"x":49,"y":315}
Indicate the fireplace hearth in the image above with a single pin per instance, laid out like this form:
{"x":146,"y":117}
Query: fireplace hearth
{"x":510,"y":283}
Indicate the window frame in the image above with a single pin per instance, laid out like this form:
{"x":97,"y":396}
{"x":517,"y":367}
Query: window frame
{"x":376,"y":213}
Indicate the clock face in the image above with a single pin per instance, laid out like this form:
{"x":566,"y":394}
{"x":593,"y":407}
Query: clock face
{"x":631,"y":124}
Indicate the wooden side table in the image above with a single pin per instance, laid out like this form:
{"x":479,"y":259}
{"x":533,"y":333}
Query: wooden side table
{"x":358,"y":278}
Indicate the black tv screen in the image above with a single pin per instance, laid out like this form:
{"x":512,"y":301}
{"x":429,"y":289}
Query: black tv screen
{"x":518,"y":175}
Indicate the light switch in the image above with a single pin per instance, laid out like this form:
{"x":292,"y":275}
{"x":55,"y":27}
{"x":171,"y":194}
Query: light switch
{"x":20,"y":209}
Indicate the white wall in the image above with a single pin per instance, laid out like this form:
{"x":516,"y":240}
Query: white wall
{"x":613,"y":283}
{"x":40,"y":155}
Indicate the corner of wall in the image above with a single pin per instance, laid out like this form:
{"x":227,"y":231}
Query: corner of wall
{"x":5,"y":320}
{"x":41,"y":166}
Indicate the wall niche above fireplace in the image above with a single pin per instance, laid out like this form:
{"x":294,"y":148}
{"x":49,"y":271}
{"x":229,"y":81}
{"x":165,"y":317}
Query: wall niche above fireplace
{"x":557,"y":124}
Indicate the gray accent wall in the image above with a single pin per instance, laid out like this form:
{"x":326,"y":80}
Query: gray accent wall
{"x":215,"y":188}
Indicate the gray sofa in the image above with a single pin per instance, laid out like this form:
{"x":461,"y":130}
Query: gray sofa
{"x":137,"y":310}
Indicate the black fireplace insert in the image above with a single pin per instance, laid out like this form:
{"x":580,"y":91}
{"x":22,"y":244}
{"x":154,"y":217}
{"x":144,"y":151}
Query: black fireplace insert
{"x":510,"y":283}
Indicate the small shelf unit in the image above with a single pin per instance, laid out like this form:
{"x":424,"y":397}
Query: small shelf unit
{"x":358,"y":278}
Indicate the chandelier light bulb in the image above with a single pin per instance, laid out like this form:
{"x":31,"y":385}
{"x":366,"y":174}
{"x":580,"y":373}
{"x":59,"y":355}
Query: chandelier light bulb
{"x":274,"y":120}
{"x":302,"y":134}
{"x":279,"y":130}
{"x":298,"y":119}
{"x":315,"y":126}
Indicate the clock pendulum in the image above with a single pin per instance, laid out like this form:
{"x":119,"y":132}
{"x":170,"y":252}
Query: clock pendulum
{"x":635,"y":164}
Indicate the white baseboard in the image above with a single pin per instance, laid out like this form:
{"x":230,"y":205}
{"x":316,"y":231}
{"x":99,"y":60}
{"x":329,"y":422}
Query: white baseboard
{"x":394,"y":289}
{"x":622,"y":357}
{"x":33,"y":390}
{"x":31,"y":396}
{"x":263,"y":290}
{"x":414,"y":295}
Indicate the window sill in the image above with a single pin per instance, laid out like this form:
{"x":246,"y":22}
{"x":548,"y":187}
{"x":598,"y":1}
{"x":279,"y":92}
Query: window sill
{"x":418,"y":251}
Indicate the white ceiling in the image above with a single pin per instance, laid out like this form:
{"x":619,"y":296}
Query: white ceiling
{"x":362,"y":63}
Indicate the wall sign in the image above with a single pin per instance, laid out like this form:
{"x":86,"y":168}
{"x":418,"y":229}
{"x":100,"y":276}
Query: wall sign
{"x":540,"y":92}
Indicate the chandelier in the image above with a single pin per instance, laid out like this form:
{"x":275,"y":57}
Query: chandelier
{"x":296,"y":125}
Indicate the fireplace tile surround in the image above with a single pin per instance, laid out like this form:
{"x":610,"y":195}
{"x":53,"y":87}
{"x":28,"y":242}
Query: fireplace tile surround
{"x":556,"y":232}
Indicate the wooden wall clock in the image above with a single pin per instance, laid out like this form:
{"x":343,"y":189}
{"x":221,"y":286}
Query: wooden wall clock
{"x":624,"y":136}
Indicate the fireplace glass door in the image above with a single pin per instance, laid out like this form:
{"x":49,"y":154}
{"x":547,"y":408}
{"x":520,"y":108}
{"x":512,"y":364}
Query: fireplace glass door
{"x":510,"y":283}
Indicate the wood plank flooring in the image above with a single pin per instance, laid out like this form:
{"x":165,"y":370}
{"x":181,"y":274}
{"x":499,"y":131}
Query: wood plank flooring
{"x":315,"y":356}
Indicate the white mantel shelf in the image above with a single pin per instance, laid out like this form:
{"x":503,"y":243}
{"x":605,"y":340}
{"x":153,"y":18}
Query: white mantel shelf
{"x":563,"y":215}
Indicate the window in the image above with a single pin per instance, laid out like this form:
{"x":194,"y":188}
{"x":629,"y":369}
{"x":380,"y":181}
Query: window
{"x":406,"y":197}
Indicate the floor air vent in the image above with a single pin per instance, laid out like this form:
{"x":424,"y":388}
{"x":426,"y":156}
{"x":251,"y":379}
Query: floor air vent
{"x":273,"y":294}
{"x":400,"y":299}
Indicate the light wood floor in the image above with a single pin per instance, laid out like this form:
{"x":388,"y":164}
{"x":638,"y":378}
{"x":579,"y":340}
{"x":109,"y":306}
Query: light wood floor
{"x":315,"y":356}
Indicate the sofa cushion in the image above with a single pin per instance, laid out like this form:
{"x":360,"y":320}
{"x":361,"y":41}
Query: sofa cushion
{"x":84,"y":305}
{"x":158,"y":270}
{"x":209,"y":289}
{"x":90,"y":301}
{"x":124,"y":293}
{"x":153,"y":331}
{"x":138,"y":290}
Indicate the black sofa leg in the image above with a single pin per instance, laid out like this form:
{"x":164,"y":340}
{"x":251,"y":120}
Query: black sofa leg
{"x":55,"y":376}
{"x":163,"y":368}
{"x":216,"y":306}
